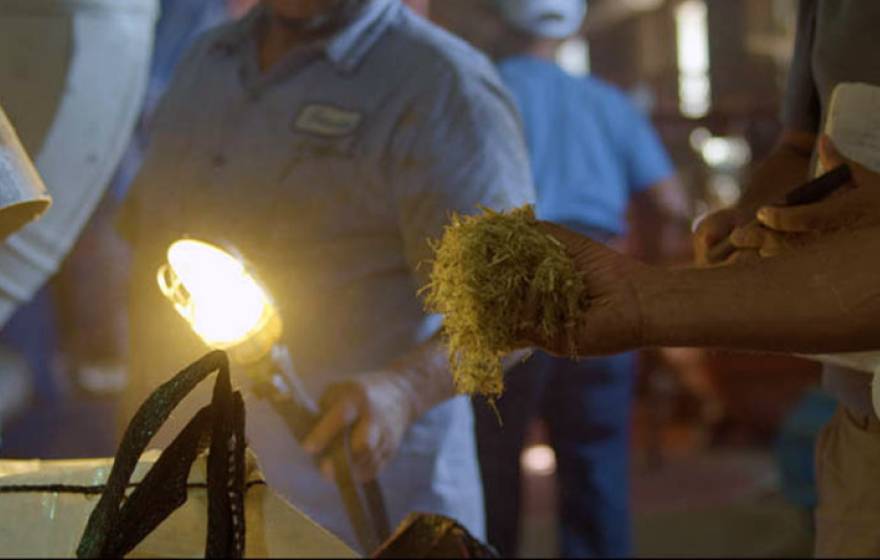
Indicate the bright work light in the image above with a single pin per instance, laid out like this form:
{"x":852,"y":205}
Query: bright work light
{"x":223,"y":303}
{"x":229,"y":310}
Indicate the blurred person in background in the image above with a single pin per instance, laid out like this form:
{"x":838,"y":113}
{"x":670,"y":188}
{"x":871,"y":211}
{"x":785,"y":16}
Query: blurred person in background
{"x":594,"y":158}
{"x":328,"y":141}
{"x":836,"y":43}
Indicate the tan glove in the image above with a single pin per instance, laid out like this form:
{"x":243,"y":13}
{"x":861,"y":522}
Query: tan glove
{"x":379,"y":407}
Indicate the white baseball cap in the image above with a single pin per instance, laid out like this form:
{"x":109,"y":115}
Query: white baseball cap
{"x":553,"y":19}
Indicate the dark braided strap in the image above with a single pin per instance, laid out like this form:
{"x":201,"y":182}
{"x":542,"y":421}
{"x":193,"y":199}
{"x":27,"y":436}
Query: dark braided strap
{"x":113,"y":531}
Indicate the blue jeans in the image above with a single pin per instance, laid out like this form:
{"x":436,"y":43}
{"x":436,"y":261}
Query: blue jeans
{"x":587,"y":407}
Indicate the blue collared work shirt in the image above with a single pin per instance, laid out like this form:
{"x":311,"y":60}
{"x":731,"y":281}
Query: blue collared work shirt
{"x":329,"y":173}
{"x":591,"y":148}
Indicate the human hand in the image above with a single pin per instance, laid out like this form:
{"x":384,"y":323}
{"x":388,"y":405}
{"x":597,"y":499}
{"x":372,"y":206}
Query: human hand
{"x":377,"y":407}
{"x":849,"y":208}
{"x":613,"y":321}
{"x":753,"y":241}
{"x":714,"y":228}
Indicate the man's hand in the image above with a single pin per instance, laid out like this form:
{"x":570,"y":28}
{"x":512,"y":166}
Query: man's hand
{"x":714,"y":228}
{"x":754,"y":241}
{"x":852,"y":207}
{"x":613,"y":318}
{"x":786,"y":167}
{"x":377,"y":407}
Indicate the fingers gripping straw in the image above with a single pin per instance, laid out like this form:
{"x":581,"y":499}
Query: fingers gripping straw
{"x":495,"y":277}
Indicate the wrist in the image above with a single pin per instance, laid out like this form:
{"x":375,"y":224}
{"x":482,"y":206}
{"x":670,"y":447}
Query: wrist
{"x":423,"y":377}
{"x":402,"y":380}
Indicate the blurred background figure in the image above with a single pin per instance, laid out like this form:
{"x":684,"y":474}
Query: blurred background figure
{"x":72,"y":334}
{"x":716,"y":446}
{"x":594,"y":157}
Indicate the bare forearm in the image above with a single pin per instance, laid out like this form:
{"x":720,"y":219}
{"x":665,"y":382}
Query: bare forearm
{"x":825,"y":298}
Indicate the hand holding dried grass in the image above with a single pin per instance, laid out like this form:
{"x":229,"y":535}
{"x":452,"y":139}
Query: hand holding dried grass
{"x":496,"y":276}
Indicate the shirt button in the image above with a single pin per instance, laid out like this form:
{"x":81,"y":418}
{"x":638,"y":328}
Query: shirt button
{"x":219,"y":160}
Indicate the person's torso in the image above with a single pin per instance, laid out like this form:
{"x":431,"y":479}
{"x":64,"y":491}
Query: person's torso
{"x":291,"y":169}
{"x":573,"y":131}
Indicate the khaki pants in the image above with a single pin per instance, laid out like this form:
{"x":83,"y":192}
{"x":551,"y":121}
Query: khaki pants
{"x":848,"y":479}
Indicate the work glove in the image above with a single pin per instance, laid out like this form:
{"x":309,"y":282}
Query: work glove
{"x":378,"y":407}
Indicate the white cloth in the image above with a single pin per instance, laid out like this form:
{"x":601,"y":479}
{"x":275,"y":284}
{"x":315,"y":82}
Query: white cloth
{"x":869,"y":362}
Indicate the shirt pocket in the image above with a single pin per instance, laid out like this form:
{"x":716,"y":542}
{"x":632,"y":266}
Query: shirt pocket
{"x":329,"y":184}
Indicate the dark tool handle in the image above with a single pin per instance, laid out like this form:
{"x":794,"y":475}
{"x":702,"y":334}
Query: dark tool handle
{"x":364,"y":503}
{"x":297,"y":415}
{"x":820,"y":187}
{"x":359,"y":516}
{"x":376,"y":506}
{"x":808,"y":193}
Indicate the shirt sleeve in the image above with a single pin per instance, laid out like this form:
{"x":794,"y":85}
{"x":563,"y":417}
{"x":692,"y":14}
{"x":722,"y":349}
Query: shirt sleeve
{"x":801,"y":106}
{"x":647,"y":162}
{"x":455,"y":149}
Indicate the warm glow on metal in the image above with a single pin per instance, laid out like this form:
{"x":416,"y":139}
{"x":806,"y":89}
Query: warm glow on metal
{"x":223,"y":303}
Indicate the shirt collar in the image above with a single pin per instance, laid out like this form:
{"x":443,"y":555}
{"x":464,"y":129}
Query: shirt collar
{"x":349,"y":46}
{"x":346,"y":49}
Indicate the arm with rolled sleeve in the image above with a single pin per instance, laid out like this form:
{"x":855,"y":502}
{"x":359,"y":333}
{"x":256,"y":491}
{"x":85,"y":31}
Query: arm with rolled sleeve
{"x":464,"y":150}
{"x":453,"y":149}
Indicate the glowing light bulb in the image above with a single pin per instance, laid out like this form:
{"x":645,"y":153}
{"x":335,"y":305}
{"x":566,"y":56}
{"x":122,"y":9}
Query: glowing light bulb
{"x":539,"y":460}
{"x":223,"y":304}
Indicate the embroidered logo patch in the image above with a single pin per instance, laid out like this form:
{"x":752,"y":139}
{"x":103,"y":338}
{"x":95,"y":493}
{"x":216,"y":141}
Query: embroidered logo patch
{"x":327,"y":121}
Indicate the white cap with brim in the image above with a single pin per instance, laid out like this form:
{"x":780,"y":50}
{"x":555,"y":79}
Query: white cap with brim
{"x":552,"y":19}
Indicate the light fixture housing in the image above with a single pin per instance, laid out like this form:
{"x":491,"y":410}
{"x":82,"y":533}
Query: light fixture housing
{"x":23,"y":196}
{"x":222,"y":301}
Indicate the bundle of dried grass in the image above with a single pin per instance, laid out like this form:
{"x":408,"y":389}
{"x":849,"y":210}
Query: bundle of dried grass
{"x":496,"y":276}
